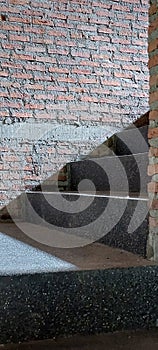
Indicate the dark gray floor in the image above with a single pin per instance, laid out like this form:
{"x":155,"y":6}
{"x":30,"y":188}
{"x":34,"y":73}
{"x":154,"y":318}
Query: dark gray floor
{"x":140,"y":340}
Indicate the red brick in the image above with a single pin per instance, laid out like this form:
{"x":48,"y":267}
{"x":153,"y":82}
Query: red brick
{"x":153,"y":45}
{"x":86,"y":28}
{"x":87,"y":81}
{"x":45,"y":115}
{"x":81,"y":71}
{"x":152,"y":169}
{"x":67,"y":80}
{"x":57,"y":33}
{"x":58,"y":51}
{"x":153,"y":115}
{"x":121,"y":41}
{"x":153,"y":97}
{"x":37,"y":30}
{"x":65,"y":98}
{"x":34,"y":86}
{"x":153,"y":9}
{"x":11,"y":27}
{"x":22,"y":75}
{"x":123,"y":75}
{"x":11,"y":104}
{"x":99,"y":91}
{"x":143,"y":18}
{"x":35,"y":106}
{"x":100,"y":38}
{"x":98,"y":20}
{"x":105,"y":30}
{"x":80,"y":54}
{"x":15,"y":95}
{"x":153,"y":80}
{"x":88,"y":98}
{"x":77,"y":18}
{"x":154,"y":204}
{"x":110,"y":82}
{"x":153,"y":222}
{"x":58,"y":70}
{"x":153,"y":152}
{"x":9,"y":9}
{"x":4,"y":55}
{"x":78,"y":89}
{"x":76,"y":35}
{"x":23,"y":57}
{"x":11,"y":65}
{"x":42,"y":77}
{"x":22,"y":114}
{"x":3,"y":93}
{"x":45,"y":59}
{"x":3,"y":36}
{"x":19,"y":19}
{"x":10,"y":158}
{"x":19,"y":37}
{"x":129,"y":50}
{"x":153,"y":187}
{"x":11,"y":46}
{"x":35,"y":67}
{"x":152,"y":133}
{"x":56,"y":88}
{"x":100,"y":56}
{"x":35,"y":48}
{"x":4,"y":73}
{"x":127,"y":16}
{"x":120,"y":8}
{"x":66,"y":43}
{"x":153,"y":61}
{"x":4,"y":113}
{"x":19,"y":2}
{"x":58,"y":15}
{"x":131,"y":67}
{"x":42,"y":21}
{"x":44,"y":97}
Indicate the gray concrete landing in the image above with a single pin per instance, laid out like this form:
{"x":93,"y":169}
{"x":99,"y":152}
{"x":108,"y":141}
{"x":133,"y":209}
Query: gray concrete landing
{"x":20,"y":258}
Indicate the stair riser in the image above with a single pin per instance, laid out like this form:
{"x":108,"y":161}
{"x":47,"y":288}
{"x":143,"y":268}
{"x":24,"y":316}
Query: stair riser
{"x":42,"y":306}
{"x":132,"y":141}
{"x":127,"y":173}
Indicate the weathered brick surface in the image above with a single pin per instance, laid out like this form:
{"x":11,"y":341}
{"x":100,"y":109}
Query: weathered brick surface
{"x":153,"y":126}
{"x":67,"y":62}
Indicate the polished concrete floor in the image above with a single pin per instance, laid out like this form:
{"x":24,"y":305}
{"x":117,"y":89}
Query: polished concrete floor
{"x":140,"y":340}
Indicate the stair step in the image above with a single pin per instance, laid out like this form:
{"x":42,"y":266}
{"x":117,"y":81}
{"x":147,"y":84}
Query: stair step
{"x":74,"y":220}
{"x":132,"y":141}
{"x":117,"y":173}
{"x":122,"y":173}
{"x":47,"y":292}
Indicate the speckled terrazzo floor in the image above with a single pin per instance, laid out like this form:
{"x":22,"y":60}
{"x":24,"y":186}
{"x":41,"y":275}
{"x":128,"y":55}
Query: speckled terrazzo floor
{"x":21,"y":254}
{"x":140,"y":340}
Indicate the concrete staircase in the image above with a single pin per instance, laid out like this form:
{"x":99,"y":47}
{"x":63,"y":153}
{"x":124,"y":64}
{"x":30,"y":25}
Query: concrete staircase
{"x":105,"y":194}
{"x":74,"y":262}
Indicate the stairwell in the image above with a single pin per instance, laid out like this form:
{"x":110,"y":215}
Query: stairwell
{"x":75,"y":262}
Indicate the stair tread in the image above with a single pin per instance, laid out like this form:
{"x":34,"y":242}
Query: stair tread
{"x":16,"y":246}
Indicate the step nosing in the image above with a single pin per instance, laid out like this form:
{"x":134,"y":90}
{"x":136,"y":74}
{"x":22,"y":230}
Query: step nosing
{"x":88,"y":195}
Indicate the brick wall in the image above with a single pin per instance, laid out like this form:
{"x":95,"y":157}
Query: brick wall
{"x":72,"y":72}
{"x":153,"y":130}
